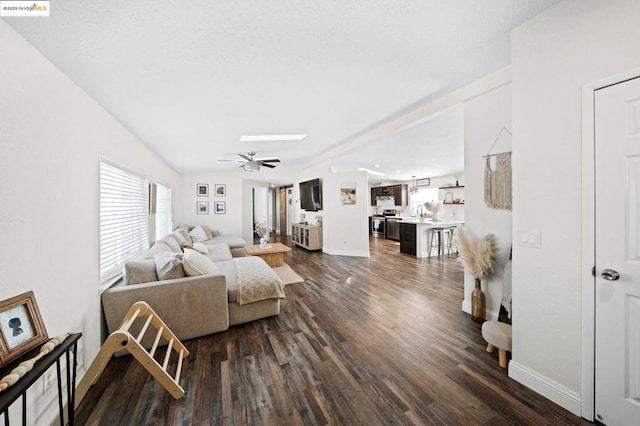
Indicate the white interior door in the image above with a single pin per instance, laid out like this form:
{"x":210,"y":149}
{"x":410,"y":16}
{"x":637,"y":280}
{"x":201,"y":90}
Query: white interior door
{"x":617,"y":295}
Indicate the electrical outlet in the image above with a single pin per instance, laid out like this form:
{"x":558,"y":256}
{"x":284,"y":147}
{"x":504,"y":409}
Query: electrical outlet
{"x":47,"y":380}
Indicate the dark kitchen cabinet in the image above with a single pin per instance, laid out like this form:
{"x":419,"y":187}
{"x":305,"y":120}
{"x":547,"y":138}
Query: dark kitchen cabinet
{"x":408,"y":238}
{"x":399,"y":192}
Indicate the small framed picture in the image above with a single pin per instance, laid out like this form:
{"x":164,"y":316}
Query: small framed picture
{"x":220,"y":207}
{"x":220,"y":190}
{"x":202,"y":207}
{"x":423,"y":182}
{"x":21,"y":327}
{"x":202,"y":189}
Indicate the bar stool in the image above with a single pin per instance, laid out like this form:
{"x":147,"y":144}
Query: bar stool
{"x":450,"y":232}
{"x":436,"y":232}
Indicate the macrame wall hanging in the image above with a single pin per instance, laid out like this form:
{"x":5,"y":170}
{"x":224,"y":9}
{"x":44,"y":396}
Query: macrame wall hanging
{"x":497,"y":180}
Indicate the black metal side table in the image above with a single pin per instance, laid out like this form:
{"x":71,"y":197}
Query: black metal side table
{"x":19,"y":389}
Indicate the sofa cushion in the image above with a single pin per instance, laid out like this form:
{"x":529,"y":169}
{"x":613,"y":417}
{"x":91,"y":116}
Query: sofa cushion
{"x":195,"y":263}
{"x":180,"y":238}
{"x":198,"y":235}
{"x":140,"y":270}
{"x":159,"y":247}
{"x":232,"y":240}
{"x":169,"y":266}
{"x":172,"y":243}
{"x":219,"y":251}
{"x":229,"y":270}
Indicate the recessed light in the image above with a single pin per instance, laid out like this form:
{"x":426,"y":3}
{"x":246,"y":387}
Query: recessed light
{"x":397,"y":171}
{"x":269,"y":138}
{"x":362,"y":169}
{"x":377,"y":166}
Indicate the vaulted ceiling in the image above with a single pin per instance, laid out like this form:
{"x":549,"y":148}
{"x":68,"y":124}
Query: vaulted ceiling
{"x":190,"y":77}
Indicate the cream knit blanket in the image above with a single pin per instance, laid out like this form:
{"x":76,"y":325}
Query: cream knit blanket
{"x":257,"y":281}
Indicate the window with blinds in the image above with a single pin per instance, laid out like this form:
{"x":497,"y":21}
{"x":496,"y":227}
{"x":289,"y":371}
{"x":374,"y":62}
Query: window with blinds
{"x":163,"y":211}
{"x":124,"y":223}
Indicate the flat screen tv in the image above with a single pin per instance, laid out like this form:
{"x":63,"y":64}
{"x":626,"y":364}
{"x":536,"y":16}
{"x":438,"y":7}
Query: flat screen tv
{"x":311,"y":195}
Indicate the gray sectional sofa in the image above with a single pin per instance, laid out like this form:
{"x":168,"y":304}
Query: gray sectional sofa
{"x":192,"y":297}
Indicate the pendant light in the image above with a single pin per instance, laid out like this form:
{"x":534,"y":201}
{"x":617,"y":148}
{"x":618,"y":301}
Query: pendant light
{"x":413,"y":189}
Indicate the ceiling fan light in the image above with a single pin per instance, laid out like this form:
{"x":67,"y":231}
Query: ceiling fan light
{"x":251,"y":166}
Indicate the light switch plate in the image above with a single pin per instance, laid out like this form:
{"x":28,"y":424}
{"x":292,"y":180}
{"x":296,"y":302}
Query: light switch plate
{"x":529,"y":238}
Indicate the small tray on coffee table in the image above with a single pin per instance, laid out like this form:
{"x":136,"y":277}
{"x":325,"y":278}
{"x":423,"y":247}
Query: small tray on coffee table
{"x":272,"y":255}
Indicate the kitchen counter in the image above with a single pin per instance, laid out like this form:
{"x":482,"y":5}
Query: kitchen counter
{"x":423,"y":229}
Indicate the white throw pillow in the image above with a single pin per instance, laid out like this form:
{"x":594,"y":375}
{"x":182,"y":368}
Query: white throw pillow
{"x":169,"y":265}
{"x":197,"y":234}
{"x":200,"y":248}
{"x":195,"y":264}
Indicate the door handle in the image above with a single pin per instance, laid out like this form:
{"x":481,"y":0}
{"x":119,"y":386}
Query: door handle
{"x":610,"y":274}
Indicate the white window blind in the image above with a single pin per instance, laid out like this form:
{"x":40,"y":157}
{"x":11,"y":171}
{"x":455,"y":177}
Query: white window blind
{"x":163,"y":211}
{"x":124,"y":227}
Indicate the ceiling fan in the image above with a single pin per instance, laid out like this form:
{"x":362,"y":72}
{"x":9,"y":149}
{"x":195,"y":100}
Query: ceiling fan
{"x":251,"y":164}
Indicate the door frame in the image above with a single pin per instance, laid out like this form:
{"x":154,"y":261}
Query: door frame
{"x":588,"y":237}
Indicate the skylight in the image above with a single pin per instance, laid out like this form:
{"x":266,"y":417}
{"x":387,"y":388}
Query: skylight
{"x":269,"y":138}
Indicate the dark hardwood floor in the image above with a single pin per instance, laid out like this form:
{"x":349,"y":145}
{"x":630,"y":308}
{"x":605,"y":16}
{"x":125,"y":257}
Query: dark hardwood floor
{"x":375,"y":341}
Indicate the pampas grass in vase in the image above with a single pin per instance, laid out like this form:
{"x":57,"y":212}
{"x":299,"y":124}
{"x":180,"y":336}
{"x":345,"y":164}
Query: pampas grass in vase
{"x":479,"y":255}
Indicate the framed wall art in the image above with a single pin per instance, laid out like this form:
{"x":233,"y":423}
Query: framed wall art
{"x":423,"y":182}
{"x":220,"y":190}
{"x":220,"y":207}
{"x":202,"y":207}
{"x":202,"y":189}
{"x":21,"y":327}
{"x":348,"y":193}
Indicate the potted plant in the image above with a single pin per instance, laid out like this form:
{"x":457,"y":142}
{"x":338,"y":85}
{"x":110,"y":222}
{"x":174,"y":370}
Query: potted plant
{"x":479,"y":256}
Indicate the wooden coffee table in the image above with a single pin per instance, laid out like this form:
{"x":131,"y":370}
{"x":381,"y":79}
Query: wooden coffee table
{"x":273,"y":256}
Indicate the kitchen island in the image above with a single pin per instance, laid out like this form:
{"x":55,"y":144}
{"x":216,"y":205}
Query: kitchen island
{"x":415,"y":234}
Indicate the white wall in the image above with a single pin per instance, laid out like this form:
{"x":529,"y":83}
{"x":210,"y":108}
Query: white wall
{"x":484,"y":117}
{"x":51,"y":141}
{"x":238,"y":217}
{"x":554,"y":55}
{"x":346,"y":227}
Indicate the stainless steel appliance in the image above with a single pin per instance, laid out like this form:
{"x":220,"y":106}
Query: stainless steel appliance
{"x":378,"y":226}
{"x":393,"y":227}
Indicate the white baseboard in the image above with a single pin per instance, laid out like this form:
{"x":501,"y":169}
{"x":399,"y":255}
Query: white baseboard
{"x":566,"y":398}
{"x":347,"y":253}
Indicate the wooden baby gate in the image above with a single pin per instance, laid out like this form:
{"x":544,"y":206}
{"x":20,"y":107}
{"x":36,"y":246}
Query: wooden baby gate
{"x":122,"y":339}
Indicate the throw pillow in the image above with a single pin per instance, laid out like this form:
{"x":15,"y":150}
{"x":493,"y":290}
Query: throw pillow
{"x":197,"y":234}
{"x":195,"y":264}
{"x":179,"y":237}
{"x":138,"y":271}
{"x":169,"y":266}
{"x":207,"y":231}
{"x":171,"y":242}
{"x":200,"y":248}
{"x":184,"y":232}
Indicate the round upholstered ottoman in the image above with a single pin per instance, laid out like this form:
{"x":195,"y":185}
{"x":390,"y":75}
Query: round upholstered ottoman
{"x":498,"y":335}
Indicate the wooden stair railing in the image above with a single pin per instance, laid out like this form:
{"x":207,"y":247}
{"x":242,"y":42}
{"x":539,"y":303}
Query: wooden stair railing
{"x":122,"y":339}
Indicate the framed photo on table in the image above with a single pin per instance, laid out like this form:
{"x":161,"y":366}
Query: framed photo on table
{"x":21,"y":327}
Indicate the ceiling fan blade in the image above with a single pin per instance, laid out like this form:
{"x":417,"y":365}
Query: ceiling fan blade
{"x":271,"y":166}
{"x":245,"y":157}
{"x":268,"y":160}
{"x":235,"y":161}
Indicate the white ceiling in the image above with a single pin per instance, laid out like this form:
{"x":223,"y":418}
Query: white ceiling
{"x":189,"y":77}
